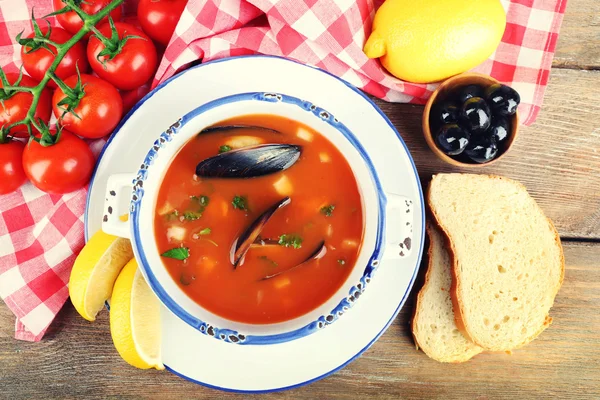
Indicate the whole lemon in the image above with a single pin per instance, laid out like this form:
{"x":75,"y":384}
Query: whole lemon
{"x":431,"y":40}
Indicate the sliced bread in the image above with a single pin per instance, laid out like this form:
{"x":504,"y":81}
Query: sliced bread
{"x":508,"y":263}
{"x":433,"y":326}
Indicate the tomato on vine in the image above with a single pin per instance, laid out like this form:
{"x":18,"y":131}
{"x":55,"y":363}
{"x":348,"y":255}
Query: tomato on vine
{"x":14,"y":105}
{"x":122,"y":55}
{"x":38,"y":56}
{"x":12,"y":175}
{"x":62,"y":167}
{"x":89,"y":107}
{"x":71,"y":21}
{"x":159,"y":18}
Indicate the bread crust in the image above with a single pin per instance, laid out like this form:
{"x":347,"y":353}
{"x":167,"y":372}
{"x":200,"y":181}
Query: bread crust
{"x":456,"y":303}
{"x":455,"y":289}
{"x":419,"y":299}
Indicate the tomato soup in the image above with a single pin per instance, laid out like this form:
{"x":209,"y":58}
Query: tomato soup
{"x":198,"y":220}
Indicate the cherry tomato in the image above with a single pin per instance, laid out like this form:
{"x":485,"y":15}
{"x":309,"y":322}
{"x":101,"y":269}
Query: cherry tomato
{"x":12,"y":175}
{"x":133,"y":66}
{"x":15,"y":108}
{"x":37,"y":62}
{"x":131,"y":97}
{"x":159,"y":18}
{"x":60,"y":168}
{"x":71,"y":21}
{"x":99,"y":110}
{"x":131,"y":19}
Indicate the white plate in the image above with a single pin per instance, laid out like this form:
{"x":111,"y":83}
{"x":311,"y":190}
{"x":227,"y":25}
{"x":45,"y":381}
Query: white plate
{"x":221,"y":365}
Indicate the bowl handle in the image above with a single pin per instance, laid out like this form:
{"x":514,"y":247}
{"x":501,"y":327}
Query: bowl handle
{"x":117,"y":186}
{"x":399,"y":227}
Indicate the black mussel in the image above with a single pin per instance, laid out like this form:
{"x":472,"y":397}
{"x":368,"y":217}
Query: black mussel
{"x":225,"y":128}
{"x":468,"y":92}
{"x":503,"y":100}
{"x":482,"y":149}
{"x":500,"y":129}
{"x":446,"y":113}
{"x":475,"y":115}
{"x":318,"y":253}
{"x":241,"y":245}
{"x":250,"y":162}
{"x":452,"y":139}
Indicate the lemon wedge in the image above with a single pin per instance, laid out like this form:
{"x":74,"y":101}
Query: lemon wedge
{"x":95,"y":271}
{"x":135,"y":319}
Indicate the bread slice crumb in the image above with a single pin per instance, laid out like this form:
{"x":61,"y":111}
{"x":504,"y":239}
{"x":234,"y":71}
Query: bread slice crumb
{"x":508,"y":262}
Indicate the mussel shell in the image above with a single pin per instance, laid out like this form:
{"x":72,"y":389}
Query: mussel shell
{"x":241,"y":245}
{"x":318,"y":253}
{"x":225,"y":128}
{"x":249,"y":162}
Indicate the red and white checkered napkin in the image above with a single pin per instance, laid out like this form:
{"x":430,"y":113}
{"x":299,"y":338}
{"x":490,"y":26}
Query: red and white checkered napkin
{"x":40,"y":234}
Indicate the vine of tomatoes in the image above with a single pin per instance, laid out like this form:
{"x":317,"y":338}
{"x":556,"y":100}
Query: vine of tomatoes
{"x":52,"y":153}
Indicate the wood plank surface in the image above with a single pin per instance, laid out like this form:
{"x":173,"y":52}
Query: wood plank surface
{"x":578,"y":46}
{"x":557,"y":158}
{"x":77,"y":359}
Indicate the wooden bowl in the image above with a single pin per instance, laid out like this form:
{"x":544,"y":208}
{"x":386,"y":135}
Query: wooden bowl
{"x":449,"y":87}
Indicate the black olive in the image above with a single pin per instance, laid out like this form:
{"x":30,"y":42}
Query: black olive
{"x":446,"y":113}
{"x":500,"y":129}
{"x":452,"y":139}
{"x":468,"y":92}
{"x":503,"y":100}
{"x":475,"y":115}
{"x":482,"y":149}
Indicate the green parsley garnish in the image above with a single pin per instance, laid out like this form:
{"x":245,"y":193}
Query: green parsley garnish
{"x":290,"y":241}
{"x":205,"y":231}
{"x":178,"y":253}
{"x":341,"y":261}
{"x":191,"y":215}
{"x":327,"y":210}
{"x":267,"y":259}
{"x":202,"y":200}
{"x":240,"y":203}
{"x":224,"y":149}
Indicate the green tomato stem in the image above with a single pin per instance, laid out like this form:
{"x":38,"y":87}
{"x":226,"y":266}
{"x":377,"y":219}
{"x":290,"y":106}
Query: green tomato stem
{"x":19,"y":88}
{"x":75,"y":7}
{"x":61,"y":84}
{"x":97,"y":32}
{"x":47,"y":41}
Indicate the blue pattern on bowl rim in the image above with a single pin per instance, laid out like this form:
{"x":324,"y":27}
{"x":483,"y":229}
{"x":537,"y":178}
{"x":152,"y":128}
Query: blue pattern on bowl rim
{"x":229,"y":335}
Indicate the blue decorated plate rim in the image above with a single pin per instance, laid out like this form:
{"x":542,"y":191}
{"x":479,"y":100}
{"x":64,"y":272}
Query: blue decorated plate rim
{"x":389,"y":124}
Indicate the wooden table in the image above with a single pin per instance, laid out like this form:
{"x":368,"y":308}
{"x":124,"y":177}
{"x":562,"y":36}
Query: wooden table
{"x":558,"y":159}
